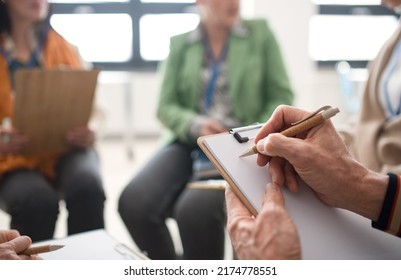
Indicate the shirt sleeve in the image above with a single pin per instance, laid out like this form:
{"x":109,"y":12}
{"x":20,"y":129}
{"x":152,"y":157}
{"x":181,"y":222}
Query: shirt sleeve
{"x":390,"y":216}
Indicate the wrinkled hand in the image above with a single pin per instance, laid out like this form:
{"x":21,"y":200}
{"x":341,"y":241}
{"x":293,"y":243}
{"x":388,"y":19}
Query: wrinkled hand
{"x":11,"y":141}
{"x":81,"y":137}
{"x":12,"y":245}
{"x":271,"y":235}
{"x":212,"y":127}
{"x":322,"y":160}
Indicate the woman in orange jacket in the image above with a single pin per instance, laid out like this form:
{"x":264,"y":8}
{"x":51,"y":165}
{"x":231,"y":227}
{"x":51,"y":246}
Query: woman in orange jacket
{"x":31,"y":186}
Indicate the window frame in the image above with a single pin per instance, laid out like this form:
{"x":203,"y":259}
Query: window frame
{"x":351,"y":10}
{"x":136,"y":9}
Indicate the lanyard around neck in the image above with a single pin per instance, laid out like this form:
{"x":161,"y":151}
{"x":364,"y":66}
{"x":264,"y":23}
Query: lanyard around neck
{"x":34,"y":55}
{"x":386,"y":78}
{"x":214,"y":66}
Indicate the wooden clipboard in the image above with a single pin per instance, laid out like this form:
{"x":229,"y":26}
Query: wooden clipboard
{"x":49,"y":103}
{"x":325,"y":232}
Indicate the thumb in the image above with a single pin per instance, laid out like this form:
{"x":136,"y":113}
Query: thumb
{"x":278,"y":145}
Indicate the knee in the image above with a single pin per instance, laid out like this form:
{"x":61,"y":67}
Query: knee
{"x":129,"y":203}
{"x":200,"y":208}
{"x":35,"y":202}
{"x":84,"y":185}
{"x":185,"y":209}
{"x":132,"y":206}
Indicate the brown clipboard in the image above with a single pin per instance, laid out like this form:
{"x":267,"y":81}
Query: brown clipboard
{"x":51,"y":102}
{"x":223,"y":171}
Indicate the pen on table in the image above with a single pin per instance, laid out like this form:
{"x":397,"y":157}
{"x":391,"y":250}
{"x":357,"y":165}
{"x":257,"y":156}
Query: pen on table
{"x":300,"y":127}
{"x":34,"y":250}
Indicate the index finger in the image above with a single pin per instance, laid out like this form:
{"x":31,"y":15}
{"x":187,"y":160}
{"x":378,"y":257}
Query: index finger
{"x":8,"y":235}
{"x":273,"y":196}
{"x":281,"y":118}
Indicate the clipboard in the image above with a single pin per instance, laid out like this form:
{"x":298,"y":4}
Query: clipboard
{"x":91,"y":245}
{"x":227,"y":162}
{"x":325,"y":232}
{"x":51,"y":102}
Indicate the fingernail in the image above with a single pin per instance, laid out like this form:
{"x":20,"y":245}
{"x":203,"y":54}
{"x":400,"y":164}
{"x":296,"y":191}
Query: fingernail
{"x":261,"y":145}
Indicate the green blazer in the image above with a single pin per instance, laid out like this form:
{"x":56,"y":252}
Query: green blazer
{"x":258,"y":80}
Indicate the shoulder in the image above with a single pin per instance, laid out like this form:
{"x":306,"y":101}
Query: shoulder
{"x":258,"y":28}
{"x":182,"y":40}
{"x":55,"y":40}
{"x":257,"y":24}
{"x":58,"y":49}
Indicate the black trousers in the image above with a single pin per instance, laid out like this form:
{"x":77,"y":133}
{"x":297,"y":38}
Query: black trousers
{"x":157,"y":192}
{"x":33,"y":201}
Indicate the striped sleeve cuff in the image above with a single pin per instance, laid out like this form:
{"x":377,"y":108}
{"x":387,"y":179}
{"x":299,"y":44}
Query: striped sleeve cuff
{"x":390,"y":216}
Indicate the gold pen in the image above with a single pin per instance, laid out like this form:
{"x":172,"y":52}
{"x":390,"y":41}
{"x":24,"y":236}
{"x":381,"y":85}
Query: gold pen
{"x":34,"y":250}
{"x":301,"y":126}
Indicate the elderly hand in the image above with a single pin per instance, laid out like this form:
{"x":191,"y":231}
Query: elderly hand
{"x":271,"y":235}
{"x":321,"y":159}
{"x":81,"y":137}
{"x":12,"y":245}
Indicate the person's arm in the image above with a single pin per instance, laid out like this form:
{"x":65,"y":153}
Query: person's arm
{"x":12,"y":245}
{"x":321,"y":159}
{"x":171,"y":110}
{"x":271,"y":235}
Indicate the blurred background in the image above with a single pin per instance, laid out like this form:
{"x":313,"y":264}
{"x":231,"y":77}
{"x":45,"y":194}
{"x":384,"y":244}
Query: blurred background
{"x":326,"y":45}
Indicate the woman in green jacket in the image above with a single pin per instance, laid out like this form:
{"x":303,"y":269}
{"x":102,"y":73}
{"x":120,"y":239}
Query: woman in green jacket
{"x":226,"y":73}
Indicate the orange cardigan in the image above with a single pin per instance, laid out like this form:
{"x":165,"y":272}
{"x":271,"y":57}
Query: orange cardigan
{"x":57,"y":52}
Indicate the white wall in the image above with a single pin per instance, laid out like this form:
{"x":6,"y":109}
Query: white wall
{"x":128,"y":101}
{"x":290,"y":21}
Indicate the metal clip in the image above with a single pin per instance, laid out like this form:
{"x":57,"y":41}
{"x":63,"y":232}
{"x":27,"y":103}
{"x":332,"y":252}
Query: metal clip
{"x":244,"y":139}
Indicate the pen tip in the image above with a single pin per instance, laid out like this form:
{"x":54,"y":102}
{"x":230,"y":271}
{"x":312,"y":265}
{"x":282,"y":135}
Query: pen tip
{"x":56,"y":247}
{"x":247,"y":153}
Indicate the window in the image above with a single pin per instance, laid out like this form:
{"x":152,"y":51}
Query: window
{"x":156,"y":47}
{"x":123,"y":34}
{"x":103,"y":44}
{"x":349,"y":30}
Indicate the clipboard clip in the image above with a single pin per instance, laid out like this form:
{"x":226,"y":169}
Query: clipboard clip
{"x":129,"y":254}
{"x":244,"y":139}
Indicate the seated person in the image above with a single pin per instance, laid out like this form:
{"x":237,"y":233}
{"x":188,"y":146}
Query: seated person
{"x":226,"y":73}
{"x":31,"y":186}
{"x":378,"y":128}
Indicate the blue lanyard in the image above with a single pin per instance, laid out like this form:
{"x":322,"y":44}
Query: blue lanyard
{"x":34,"y":60}
{"x":386,"y":77}
{"x":214,"y":71}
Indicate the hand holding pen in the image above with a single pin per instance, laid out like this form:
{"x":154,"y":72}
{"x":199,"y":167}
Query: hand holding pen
{"x":12,"y":246}
{"x":301,"y":126}
{"x":290,"y":156}
{"x":320,"y":157}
